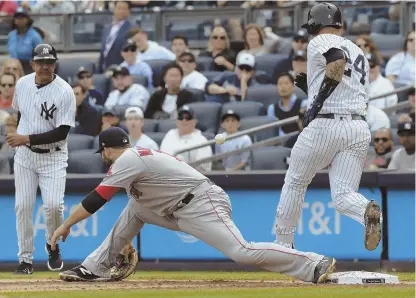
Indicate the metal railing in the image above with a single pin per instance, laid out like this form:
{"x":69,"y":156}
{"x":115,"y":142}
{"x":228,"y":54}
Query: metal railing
{"x":278,"y":139}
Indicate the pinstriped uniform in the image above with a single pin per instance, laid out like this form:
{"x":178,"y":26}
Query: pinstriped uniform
{"x":340,"y":144}
{"x":41,"y":110}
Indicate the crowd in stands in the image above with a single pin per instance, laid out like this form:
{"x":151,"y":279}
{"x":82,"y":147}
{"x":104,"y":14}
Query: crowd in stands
{"x":173,"y":98}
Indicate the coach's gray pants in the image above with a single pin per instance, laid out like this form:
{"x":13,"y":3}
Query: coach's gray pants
{"x":207,"y":217}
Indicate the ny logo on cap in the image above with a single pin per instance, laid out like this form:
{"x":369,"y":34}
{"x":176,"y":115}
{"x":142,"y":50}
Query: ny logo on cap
{"x":124,"y":140}
{"x":407,"y":126}
{"x":45,"y":51}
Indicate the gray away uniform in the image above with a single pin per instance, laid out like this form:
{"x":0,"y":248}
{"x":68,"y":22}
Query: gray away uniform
{"x":156,"y":184}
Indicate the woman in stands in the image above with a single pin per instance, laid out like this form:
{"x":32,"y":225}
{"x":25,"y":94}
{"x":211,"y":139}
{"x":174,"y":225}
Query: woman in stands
{"x":258,"y":42}
{"x":401,"y":67}
{"x":164,"y":103}
{"x":219,"y":50}
{"x":366,"y":44}
{"x":13,"y":66}
{"x":23,"y":38}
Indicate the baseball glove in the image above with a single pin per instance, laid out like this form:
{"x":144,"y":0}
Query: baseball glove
{"x":125,"y":264}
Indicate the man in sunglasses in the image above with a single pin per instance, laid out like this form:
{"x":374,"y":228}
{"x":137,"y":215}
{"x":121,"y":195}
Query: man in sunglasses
{"x":191,"y":77}
{"x":404,"y":157}
{"x":383,"y":150}
{"x":95,"y":96}
{"x":379,"y":85}
{"x":7,"y":86}
{"x":233,"y":86}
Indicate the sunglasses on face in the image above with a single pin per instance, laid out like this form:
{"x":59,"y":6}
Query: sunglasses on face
{"x":129,"y":50}
{"x":187,"y":60}
{"x":376,"y":140}
{"x":184,"y":117}
{"x":84,"y":77}
{"x":245,"y":68}
{"x":218,"y":37}
{"x":405,"y":133}
{"x":45,"y":62}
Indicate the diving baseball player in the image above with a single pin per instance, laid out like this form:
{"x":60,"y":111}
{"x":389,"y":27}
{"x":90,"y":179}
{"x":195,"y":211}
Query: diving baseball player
{"x":46,"y":111}
{"x":167,"y":192}
{"x":335,"y":133}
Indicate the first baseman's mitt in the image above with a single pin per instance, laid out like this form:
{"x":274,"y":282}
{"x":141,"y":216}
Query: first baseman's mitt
{"x":125,"y":264}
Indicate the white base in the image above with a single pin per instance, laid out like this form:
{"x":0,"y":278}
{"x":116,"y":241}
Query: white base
{"x":361,"y":278}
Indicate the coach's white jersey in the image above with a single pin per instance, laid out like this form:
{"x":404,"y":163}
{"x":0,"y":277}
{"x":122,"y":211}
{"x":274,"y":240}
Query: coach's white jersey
{"x":44,"y":109}
{"x":352,"y":94}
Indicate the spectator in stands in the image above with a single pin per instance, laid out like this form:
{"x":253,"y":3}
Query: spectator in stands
{"x":379,"y":85}
{"x":219,"y":50}
{"x":14,"y":67}
{"x":233,"y":86}
{"x":134,"y":123}
{"x":254,"y":40}
{"x":186,"y":135}
{"x":366,"y":44}
{"x":299,"y":63}
{"x":22,"y":39}
{"x":292,"y":140}
{"x":135,"y":67}
{"x":148,"y":50}
{"x":404,"y":157}
{"x":377,"y":118}
{"x":87,"y":116}
{"x":114,"y":35}
{"x":165,"y":102}
{"x":110,"y":118}
{"x":95,"y":96}
{"x":7,"y":8}
{"x":401,"y":67}
{"x":288,"y":104}
{"x":54,"y":7}
{"x":10,"y":127}
{"x":299,"y":43}
{"x":383,"y":150}
{"x":191,"y":77}
{"x":230,"y":122}
{"x":126,"y":92}
{"x":7,"y":86}
{"x":179,"y":46}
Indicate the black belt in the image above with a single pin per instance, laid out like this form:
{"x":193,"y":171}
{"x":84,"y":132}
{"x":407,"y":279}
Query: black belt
{"x":332,"y":116}
{"x":42,"y":151}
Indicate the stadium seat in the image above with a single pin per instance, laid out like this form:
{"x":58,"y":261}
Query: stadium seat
{"x":208,"y":135}
{"x":387,"y":44}
{"x":156,"y":136}
{"x":263,"y":78}
{"x":300,"y":94}
{"x":270,"y":158}
{"x":101,"y":83}
{"x":158,"y":66}
{"x":2,"y":140}
{"x":79,"y":142}
{"x":207,"y":114}
{"x":67,"y":68}
{"x":211,"y":75}
{"x":198,"y":95}
{"x":250,"y":122}
{"x":268,"y":62}
{"x":150,"y":125}
{"x":85,"y":162}
{"x":394,"y":118}
{"x":401,"y":96}
{"x":203,"y":63}
{"x":244,"y":108}
{"x":164,"y":125}
{"x":265,"y":94}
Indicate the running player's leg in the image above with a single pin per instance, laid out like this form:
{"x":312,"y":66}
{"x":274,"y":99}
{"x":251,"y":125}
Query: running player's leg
{"x":26,"y":184}
{"x":313,"y":151}
{"x":208,"y":217}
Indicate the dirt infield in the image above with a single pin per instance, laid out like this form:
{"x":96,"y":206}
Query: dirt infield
{"x":39,"y":285}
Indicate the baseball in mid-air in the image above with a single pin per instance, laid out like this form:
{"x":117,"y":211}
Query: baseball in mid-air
{"x":220,"y":139}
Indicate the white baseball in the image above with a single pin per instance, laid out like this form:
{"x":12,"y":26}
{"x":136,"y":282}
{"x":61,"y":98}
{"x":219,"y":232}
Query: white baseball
{"x":220,"y":139}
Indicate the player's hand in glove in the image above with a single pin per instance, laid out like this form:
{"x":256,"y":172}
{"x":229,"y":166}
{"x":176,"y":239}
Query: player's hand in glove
{"x":301,"y":82}
{"x":126,"y":263}
{"x":311,"y":114}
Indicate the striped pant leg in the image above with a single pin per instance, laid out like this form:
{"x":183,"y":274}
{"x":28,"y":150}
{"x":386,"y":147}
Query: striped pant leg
{"x":26,"y":184}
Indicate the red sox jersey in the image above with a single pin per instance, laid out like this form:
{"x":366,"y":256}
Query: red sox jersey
{"x":155,"y":179}
{"x":352,"y":94}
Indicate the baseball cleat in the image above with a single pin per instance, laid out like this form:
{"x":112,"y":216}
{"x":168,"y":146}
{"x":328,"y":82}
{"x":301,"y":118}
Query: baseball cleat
{"x":54,"y":260}
{"x":80,"y":273}
{"x":372,"y":226}
{"x":325,"y":267}
{"x":24,"y":268}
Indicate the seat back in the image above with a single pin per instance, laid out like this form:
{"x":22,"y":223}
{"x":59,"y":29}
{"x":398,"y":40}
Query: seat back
{"x":270,"y":158}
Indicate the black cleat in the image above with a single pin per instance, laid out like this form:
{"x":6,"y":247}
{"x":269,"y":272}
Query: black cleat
{"x":323,"y":269}
{"x":80,"y":273}
{"x":24,"y":268}
{"x":54,"y":261}
{"x":372,"y":226}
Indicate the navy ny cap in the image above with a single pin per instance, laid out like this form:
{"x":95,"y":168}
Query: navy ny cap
{"x":112,"y":137}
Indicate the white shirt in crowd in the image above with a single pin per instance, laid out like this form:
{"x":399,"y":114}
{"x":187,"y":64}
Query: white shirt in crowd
{"x":144,"y":142}
{"x":136,"y":95}
{"x":377,"y":118}
{"x":401,"y":160}
{"x":402,"y":65}
{"x":379,"y":86}
{"x":155,"y":51}
{"x":169,"y":105}
{"x":194,"y":80}
{"x":172,"y":143}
